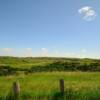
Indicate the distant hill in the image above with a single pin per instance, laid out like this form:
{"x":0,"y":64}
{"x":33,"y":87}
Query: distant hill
{"x":27,"y":62}
{"x":39,"y":64}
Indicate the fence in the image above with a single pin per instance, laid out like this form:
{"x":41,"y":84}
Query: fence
{"x":16,"y":88}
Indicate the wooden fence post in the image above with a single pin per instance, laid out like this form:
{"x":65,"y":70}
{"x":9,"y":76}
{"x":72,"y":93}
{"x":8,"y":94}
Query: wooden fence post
{"x":62,"y":87}
{"x":16,"y":90}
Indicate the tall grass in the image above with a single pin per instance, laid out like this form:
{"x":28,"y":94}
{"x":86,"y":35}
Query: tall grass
{"x":45,"y":86}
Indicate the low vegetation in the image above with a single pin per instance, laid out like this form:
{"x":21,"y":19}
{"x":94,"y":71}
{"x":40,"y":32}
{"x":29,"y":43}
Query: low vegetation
{"x":39,"y":78}
{"x":14,"y":65}
{"x":45,"y":86}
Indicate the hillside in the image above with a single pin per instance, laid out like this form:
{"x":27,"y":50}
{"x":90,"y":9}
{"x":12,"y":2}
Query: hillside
{"x":40,"y":64}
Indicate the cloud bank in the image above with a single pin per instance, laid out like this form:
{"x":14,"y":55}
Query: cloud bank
{"x":45,"y":52}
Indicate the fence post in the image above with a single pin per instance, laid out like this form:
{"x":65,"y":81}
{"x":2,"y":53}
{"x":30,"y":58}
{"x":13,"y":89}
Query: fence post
{"x":16,"y":90}
{"x":62,"y":86}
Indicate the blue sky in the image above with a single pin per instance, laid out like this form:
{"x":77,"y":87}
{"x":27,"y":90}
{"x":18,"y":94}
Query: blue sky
{"x":50,"y":28}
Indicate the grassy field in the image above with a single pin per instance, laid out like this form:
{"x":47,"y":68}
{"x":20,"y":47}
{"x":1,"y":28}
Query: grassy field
{"x":45,"y":86}
{"x":39,"y":78}
{"x":27,"y":62}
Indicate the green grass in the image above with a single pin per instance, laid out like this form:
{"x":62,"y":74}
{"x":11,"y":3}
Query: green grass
{"x":45,"y":86}
{"x":27,"y":62}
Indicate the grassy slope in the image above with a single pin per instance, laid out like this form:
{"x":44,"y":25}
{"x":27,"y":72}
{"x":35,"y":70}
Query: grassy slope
{"x":28,"y":62}
{"x":24,"y":62}
{"x":32,"y":61}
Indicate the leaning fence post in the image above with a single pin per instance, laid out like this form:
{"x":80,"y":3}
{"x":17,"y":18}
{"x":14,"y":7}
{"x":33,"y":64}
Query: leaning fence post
{"x":16,"y":90}
{"x":62,"y":86}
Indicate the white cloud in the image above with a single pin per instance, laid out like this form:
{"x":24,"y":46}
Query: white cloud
{"x":27,"y":52}
{"x":44,"y":52}
{"x":29,"y":49}
{"x":88,"y":13}
{"x":83,"y":50}
{"x":7,"y":49}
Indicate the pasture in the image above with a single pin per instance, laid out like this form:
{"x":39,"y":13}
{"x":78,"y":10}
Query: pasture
{"x":45,"y":86}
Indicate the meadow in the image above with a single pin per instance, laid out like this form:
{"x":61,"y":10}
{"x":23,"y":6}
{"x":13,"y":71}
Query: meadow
{"x":45,"y":86}
{"x":39,"y":78}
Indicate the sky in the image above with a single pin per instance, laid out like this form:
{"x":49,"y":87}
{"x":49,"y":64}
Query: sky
{"x":55,"y":28}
